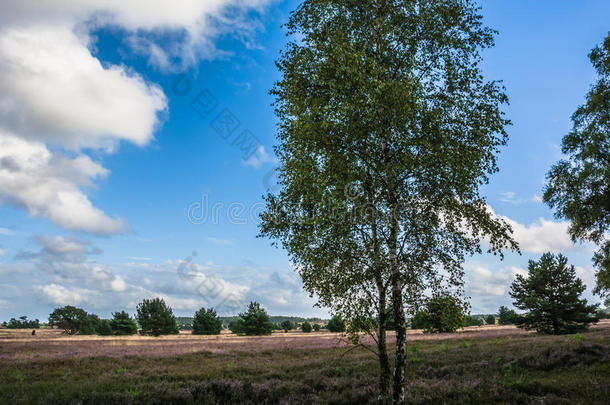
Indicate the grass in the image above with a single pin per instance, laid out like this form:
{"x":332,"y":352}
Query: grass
{"x":518,"y":368}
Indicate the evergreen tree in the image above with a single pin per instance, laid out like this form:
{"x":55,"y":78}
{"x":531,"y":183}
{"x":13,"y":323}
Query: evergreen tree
{"x":336,"y":324}
{"x":123,"y":324}
{"x":256,"y":321}
{"x":287,"y":325}
{"x":551,"y":295}
{"x":306,"y":327}
{"x":206,"y":322}
{"x":507,"y":316}
{"x":156,"y":318}
{"x":490,"y":320}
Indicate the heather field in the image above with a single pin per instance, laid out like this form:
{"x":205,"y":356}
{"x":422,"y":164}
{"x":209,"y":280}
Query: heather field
{"x":478,"y":365}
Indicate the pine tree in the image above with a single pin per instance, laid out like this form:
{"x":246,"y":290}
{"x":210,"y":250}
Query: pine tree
{"x":551,"y":295}
{"x":206,"y":322}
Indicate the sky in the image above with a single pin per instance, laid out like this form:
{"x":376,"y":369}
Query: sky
{"x":136,"y":142}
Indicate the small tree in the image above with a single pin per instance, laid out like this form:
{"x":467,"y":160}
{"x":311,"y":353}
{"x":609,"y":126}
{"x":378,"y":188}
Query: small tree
{"x":316,"y":327}
{"x":473,"y":321}
{"x":287,"y":325}
{"x":69,"y":318}
{"x":91,"y":325}
{"x":551,"y":294}
{"x":443,"y":313}
{"x":123,"y":324}
{"x":306,"y":327}
{"x":336,"y":324}
{"x":156,"y":318}
{"x":237,"y":326}
{"x":206,"y":322}
{"x":104,"y":328}
{"x":256,"y":321}
{"x":507,"y":316}
{"x":490,"y":320}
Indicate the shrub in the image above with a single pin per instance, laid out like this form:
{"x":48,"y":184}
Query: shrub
{"x":551,"y":294}
{"x":473,"y":321}
{"x":306,"y":327}
{"x":91,"y":325}
{"x":443,"y":313}
{"x":123,"y":324}
{"x":287,"y":325}
{"x":336,"y":324}
{"x":316,"y":327}
{"x":237,"y":326}
{"x":104,"y":328}
{"x":206,"y":322}
{"x":156,"y":318}
{"x":490,"y":320}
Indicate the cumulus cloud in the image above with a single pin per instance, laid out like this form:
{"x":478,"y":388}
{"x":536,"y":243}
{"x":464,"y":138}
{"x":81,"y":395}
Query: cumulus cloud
{"x":57,"y":98}
{"x":259,"y":158}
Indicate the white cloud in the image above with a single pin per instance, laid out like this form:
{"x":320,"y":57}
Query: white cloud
{"x":60,"y":295}
{"x":6,"y":231}
{"x":259,"y":158}
{"x":511,"y":198}
{"x":537,"y":198}
{"x":56,"y":96}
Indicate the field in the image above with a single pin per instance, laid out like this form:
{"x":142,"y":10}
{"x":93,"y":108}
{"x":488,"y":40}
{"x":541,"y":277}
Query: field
{"x":478,"y":365}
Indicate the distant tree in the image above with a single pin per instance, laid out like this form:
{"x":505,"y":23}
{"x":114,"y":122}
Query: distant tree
{"x":22,"y":323}
{"x":473,"y":321}
{"x":287,"y":325}
{"x":316,"y":327}
{"x":91,"y":325}
{"x":156,"y":318}
{"x":206,"y":322}
{"x":490,"y":320}
{"x":551,"y":295}
{"x":104,"y":328}
{"x":306,"y":327}
{"x":237,"y":326}
{"x":123,"y":324}
{"x":69,"y":318}
{"x":578,"y":187}
{"x":256,"y":320}
{"x":4,"y":324}
{"x":418,"y":320}
{"x":336,"y":324}
{"x":507,"y":316}
{"x":442,"y":313}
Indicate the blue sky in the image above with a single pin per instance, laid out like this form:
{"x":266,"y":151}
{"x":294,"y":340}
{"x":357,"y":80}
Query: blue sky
{"x":106,"y":163}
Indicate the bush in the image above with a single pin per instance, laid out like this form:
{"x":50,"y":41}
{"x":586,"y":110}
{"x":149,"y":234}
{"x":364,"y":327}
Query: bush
{"x":123,"y":324}
{"x":316,"y":327}
{"x":91,"y":325}
{"x":306,"y":327}
{"x":336,"y":324}
{"x":206,"y":322}
{"x":287,"y":325}
{"x":551,"y":295}
{"x":473,"y":321}
{"x":237,"y":326}
{"x":156,"y":318}
{"x":443,"y":313}
{"x":256,"y":321}
{"x":104,"y":328}
{"x":490,"y":320}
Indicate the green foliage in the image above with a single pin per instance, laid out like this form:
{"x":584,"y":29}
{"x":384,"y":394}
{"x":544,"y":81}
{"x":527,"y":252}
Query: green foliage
{"x":472,"y":321}
{"x":490,"y":320}
{"x":551,"y":295}
{"x":123,"y":324}
{"x":91,"y":325}
{"x":69,"y":318}
{"x":256,"y":321}
{"x":22,"y":323}
{"x":237,"y":326}
{"x":287,"y":325}
{"x":336,"y":324}
{"x":104,"y":327}
{"x":156,"y":318}
{"x":578,"y":186}
{"x":316,"y":327}
{"x":306,"y":327}
{"x":443,"y":313}
{"x":507,"y":316}
{"x":206,"y":322}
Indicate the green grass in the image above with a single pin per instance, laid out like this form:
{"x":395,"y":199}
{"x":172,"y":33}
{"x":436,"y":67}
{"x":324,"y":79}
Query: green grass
{"x":523,"y":369}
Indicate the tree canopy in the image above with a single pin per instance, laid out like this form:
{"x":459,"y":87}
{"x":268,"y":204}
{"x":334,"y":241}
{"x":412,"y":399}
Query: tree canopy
{"x":123,"y":324}
{"x":206,"y":322}
{"x":579,"y":186}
